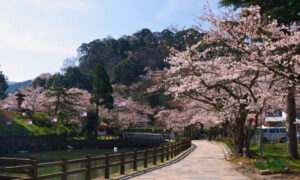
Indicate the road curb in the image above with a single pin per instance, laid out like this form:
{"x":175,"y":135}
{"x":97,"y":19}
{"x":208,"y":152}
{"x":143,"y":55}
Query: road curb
{"x":225,"y":148}
{"x":170,"y":162}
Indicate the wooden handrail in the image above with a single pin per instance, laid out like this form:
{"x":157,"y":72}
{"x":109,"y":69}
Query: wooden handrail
{"x":21,"y":169}
{"x":46,"y":176}
{"x":97,"y":158}
{"x":77,"y":160}
{"x":76,"y":171}
{"x":165,"y":152}
{"x":115,"y":155}
{"x":7,"y":159}
{"x":98,"y":167}
{"x":57,"y":163}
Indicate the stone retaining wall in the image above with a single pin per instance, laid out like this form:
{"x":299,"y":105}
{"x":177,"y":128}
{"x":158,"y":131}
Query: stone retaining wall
{"x":14,"y":144}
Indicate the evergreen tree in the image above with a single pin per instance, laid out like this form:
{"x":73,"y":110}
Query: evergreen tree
{"x":102,"y":92}
{"x":127,"y":71}
{"x":285,"y":11}
{"x":3,"y":86}
{"x":57,"y":80}
{"x":63,"y":99}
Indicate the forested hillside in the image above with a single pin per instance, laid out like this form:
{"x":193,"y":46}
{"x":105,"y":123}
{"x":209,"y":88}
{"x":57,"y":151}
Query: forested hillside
{"x":124,"y":59}
{"x":12,"y":87}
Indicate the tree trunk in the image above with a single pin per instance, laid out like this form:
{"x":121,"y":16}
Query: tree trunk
{"x":247,"y":139}
{"x":236,"y":132}
{"x":97,"y":121}
{"x":56,"y":106}
{"x":292,"y":150}
{"x":189,"y":131}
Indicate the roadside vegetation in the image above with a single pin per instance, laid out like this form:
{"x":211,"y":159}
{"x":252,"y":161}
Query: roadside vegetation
{"x":274,"y":156}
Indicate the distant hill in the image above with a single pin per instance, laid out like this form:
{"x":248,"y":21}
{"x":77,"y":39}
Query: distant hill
{"x":11,"y":83}
{"x":12,"y":86}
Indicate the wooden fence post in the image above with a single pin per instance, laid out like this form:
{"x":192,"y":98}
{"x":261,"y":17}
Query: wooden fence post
{"x":64,"y":168}
{"x":172,"y":151}
{"x":154,"y":156}
{"x":145,"y":160}
{"x":187,"y":143}
{"x":162,"y":154}
{"x":106,"y":166}
{"x":168,"y":152}
{"x":34,"y":169}
{"x":122,"y":169}
{"x":180,"y":147}
{"x":135,"y":160}
{"x":88,"y":168}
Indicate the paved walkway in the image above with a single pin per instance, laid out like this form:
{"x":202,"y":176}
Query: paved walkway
{"x":207,"y":161}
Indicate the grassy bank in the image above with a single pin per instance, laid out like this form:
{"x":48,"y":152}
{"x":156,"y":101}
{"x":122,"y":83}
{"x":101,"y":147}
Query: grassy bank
{"x":41,"y":124}
{"x":274,"y":156}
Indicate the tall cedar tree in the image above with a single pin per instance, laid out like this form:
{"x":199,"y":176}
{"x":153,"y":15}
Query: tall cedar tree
{"x":286,"y":12}
{"x":3,"y":86}
{"x":102,"y":92}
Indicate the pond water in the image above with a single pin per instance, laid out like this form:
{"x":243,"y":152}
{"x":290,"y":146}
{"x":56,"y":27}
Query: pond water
{"x":50,"y":156}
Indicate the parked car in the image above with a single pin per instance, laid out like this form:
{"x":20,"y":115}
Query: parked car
{"x":8,"y":108}
{"x":274,"y":134}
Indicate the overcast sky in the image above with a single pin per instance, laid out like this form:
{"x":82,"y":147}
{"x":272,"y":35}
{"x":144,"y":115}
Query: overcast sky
{"x":37,"y":35}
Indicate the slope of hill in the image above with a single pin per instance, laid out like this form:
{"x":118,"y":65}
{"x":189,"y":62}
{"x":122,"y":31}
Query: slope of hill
{"x":12,"y":86}
{"x":41,"y":124}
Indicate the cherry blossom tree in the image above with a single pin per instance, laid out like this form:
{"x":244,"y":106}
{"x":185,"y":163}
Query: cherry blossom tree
{"x":132,"y":112}
{"x":34,"y":98}
{"x":267,"y":49}
{"x":224,"y":72}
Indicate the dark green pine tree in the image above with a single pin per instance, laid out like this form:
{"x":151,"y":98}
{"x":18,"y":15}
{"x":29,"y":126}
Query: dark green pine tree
{"x":102,"y":92}
{"x":285,"y":11}
{"x":3,"y":86}
{"x":64,"y":100}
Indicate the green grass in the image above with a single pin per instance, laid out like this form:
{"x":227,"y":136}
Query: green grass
{"x":157,"y":129}
{"x":107,"y":137}
{"x":41,"y":124}
{"x":274,"y":157}
{"x":99,"y":138}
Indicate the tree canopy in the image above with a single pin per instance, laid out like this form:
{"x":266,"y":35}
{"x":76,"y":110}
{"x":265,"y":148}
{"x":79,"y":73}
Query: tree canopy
{"x":126,"y":71}
{"x":3,"y":86}
{"x":285,"y":11}
{"x":102,"y":90}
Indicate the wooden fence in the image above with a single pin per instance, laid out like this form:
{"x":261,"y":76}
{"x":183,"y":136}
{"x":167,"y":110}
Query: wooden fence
{"x":31,"y":168}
